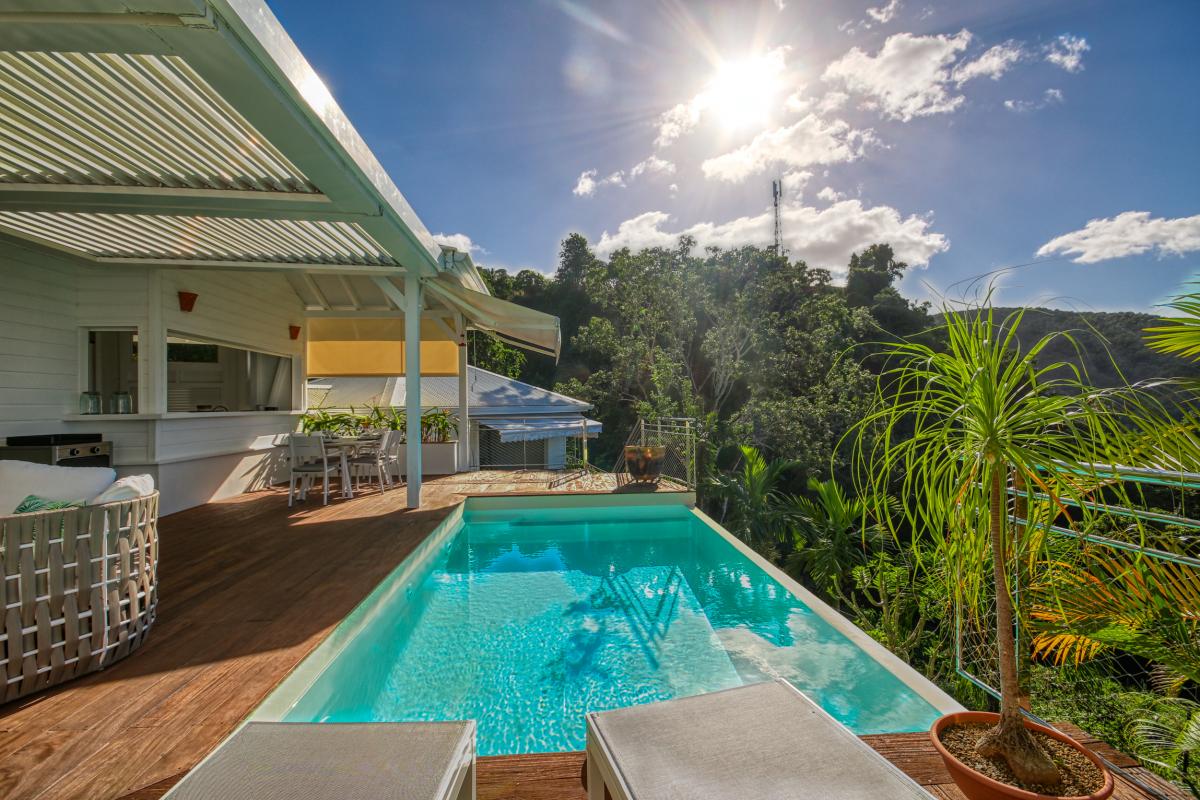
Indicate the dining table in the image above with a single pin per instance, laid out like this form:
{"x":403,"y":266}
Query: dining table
{"x":347,"y":447}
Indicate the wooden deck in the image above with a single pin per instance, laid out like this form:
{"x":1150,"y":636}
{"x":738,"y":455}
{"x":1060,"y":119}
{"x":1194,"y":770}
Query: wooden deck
{"x":248,"y":589}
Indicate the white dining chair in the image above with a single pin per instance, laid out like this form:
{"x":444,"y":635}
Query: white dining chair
{"x":309,"y":458}
{"x":374,"y":460}
{"x":393,"y":457}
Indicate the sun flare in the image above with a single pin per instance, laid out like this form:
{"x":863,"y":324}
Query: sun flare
{"x":742,"y":93}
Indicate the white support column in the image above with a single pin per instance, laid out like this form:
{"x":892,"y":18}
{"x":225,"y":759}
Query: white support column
{"x":412,"y":384}
{"x":464,"y":411}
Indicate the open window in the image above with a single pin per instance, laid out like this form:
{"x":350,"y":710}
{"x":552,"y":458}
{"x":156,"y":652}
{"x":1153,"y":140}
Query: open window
{"x":210,"y":376}
{"x":112,"y":370}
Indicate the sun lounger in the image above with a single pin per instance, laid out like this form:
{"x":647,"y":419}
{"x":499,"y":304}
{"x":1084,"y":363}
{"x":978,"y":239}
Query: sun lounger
{"x":338,"y":761}
{"x":766,"y":741}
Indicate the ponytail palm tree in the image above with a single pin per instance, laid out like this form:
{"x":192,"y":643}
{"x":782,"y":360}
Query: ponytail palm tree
{"x":955,"y":426}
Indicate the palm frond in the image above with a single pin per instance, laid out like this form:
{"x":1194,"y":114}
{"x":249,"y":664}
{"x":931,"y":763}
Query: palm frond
{"x":1179,"y":336}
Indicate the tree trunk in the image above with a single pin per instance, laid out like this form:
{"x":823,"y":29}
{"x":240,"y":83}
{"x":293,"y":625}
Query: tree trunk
{"x":1010,"y":739}
{"x":1020,"y":548}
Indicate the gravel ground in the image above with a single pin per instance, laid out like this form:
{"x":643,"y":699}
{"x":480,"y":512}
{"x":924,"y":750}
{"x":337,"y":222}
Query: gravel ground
{"x":1080,"y":776}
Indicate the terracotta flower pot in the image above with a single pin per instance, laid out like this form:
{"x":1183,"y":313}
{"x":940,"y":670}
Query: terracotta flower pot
{"x":644,"y":462}
{"x":977,"y":786}
{"x":187,"y":301}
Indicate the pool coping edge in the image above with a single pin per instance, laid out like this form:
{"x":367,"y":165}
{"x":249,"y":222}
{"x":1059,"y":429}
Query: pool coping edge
{"x":905,"y":672}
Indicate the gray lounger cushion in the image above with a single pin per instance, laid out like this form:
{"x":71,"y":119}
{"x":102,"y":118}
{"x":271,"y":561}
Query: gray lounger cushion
{"x":764,"y":741}
{"x":334,"y":761}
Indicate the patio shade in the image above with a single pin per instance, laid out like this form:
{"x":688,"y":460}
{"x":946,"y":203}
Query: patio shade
{"x":524,"y":327}
{"x":375,"y":347}
{"x":533,"y":430}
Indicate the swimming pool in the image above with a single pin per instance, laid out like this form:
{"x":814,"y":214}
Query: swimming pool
{"x":523,"y":617}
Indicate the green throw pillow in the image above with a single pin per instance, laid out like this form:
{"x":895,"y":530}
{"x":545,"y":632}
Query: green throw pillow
{"x":34,"y":503}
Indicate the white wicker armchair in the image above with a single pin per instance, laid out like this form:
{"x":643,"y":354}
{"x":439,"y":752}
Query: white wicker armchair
{"x":79,"y":590}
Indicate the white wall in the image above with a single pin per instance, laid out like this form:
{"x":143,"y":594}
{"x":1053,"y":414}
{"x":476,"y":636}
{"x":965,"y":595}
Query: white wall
{"x":47,"y":300}
{"x":39,"y":344}
{"x":252,"y":309}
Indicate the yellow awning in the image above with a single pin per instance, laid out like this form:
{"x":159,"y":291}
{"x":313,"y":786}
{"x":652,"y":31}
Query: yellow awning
{"x":368,"y":347}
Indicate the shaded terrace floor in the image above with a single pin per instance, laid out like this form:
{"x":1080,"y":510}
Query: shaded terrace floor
{"x":249,"y":587}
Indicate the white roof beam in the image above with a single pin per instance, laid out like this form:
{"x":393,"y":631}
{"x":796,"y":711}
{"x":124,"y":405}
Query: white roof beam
{"x":293,"y":108}
{"x":162,"y":200}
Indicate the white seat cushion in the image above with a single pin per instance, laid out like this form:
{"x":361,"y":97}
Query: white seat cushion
{"x":336,"y":761}
{"x":19,"y":479}
{"x":130,"y":487}
{"x":765,"y":741}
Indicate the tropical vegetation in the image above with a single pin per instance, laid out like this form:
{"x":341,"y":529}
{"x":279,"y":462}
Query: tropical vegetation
{"x":866,"y":442}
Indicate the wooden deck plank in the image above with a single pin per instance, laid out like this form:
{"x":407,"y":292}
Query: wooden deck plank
{"x":248,"y":588}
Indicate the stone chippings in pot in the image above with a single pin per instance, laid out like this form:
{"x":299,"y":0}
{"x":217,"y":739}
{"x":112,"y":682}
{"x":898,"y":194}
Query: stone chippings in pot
{"x":1080,"y":776}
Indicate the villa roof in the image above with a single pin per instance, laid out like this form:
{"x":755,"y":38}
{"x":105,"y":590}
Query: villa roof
{"x":194,"y":134}
{"x":489,"y":394}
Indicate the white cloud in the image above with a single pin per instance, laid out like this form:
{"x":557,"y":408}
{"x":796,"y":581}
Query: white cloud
{"x":1067,"y":52}
{"x":1131,"y":233}
{"x":908,"y":77}
{"x":880,"y":15}
{"x":684,"y":117}
{"x":652,"y":165}
{"x":812,"y":140}
{"x":797,"y":102}
{"x":829,"y":195}
{"x":1050,"y":97}
{"x":885,"y":14}
{"x":827,"y":103}
{"x":459,"y":241}
{"x":832,"y":101}
{"x":613,"y":179}
{"x":822,"y":237}
{"x":794,"y":182}
{"x":996,"y":61}
{"x":679,"y":120}
{"x":586,"y":185}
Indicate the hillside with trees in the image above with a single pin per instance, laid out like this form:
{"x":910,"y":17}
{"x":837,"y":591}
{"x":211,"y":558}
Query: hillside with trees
{"x":763,"y":349}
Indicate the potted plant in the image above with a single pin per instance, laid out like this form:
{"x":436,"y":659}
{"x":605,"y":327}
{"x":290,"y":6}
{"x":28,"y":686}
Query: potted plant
{"x":644,"y":462}
{"x":957,"y":424}
{"x":437,"y":426}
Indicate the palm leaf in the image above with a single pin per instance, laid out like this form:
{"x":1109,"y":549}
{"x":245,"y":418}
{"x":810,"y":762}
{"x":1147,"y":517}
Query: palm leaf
{"x":1179,"y":336}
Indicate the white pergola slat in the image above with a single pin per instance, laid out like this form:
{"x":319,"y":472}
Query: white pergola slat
{"x":106,"y":119}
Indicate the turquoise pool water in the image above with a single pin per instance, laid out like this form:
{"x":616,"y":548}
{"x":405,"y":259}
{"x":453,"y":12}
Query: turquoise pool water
{"x":525,"y":619}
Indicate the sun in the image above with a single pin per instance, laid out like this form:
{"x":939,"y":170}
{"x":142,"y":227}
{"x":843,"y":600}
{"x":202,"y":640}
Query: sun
{"x":742,"y":93}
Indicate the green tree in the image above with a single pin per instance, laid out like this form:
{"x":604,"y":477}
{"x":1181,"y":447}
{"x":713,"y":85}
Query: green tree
{"x":869,"y":273}
{"x":974,"y":415}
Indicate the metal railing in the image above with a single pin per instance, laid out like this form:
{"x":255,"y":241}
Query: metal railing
{"x":976,"y":656}
{"x":534,"y":450}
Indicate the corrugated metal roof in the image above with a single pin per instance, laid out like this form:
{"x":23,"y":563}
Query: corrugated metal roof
{"x":488,"y":393}
{"x":112,"y":119}
{"x":161,"y":236}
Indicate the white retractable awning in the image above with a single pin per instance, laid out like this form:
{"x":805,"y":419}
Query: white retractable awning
{"x":524,"y":327}
{"x":532,"y":430}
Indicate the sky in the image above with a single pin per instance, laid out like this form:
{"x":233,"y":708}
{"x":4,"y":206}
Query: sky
{"x":1062,"y":136}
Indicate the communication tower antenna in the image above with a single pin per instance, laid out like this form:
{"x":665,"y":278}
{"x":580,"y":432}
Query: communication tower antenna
{"x":776,"y":196}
